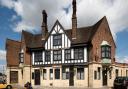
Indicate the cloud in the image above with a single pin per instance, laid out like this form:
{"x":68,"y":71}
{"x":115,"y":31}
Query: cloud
{"x":88,"y":13}
{"x":2,"y":54}
{"x":122,"y":59}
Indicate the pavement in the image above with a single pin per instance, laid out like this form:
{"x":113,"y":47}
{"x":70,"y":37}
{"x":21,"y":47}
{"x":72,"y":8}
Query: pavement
{"x":42,"y":87}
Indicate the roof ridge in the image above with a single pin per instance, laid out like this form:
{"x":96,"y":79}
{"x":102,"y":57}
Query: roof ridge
{"x":13,"y":40}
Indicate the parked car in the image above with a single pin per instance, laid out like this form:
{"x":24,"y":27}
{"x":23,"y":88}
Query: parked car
{"x":121,"y":83}
{"x":3,"y":85}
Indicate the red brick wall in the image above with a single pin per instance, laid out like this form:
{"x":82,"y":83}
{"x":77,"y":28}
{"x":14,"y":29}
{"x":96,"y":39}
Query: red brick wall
{"x":103,"y":33}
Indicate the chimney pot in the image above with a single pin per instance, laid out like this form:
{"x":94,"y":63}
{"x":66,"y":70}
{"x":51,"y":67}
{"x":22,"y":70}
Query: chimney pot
{"x":44,"y":25}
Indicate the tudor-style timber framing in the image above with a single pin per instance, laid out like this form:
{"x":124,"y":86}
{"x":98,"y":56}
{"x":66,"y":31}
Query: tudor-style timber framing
{"x":80,"y":57}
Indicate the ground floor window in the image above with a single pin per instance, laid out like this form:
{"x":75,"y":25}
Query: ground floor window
{"x":95,"y":74}
{"x":57,"y":73}
{"x":117,"y":71}
{"x":65,"y":73}
{"x":127,"y":73}
{"x":13,"y":76}
{"x":44,"y":74}
{"x":99,"y":73}
{"x":110,"y":74}
{"x":80,"y":73}
{"x":33,"y":75}
{"x":51,"y":74}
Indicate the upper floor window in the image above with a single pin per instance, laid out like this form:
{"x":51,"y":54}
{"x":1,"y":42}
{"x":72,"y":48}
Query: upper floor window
{"x":105,"y":51}
{"x":21,"y":57}
{"x":79,"y":53}
{"x":47,"y":56}
{"x":57,"y":40}
{"x":67,"y":54}
{"x":38,"y":56}
{"x":57,"y":55}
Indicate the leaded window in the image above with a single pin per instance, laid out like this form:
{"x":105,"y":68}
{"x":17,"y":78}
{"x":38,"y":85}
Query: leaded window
{"x":51,"y":74}
{"x":57,"y":55}
{"x":57,"y":40}
{"x":95,"y":74}
{"x":21,"y":57}
{"x":65,"y":73}
{"x":79,"y":53}
{"x":47,"y":56}
{"x":80,"y":73}
{"x":67,"y":54}
{"x":44,"y":74}
{"x":38,"y":56}
{"x":99,"y":73}
{"x":105,"y":51}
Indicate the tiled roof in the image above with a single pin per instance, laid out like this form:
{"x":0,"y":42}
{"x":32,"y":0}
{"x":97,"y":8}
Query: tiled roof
{"x":84,"y":35}
{"x":31,"y":40}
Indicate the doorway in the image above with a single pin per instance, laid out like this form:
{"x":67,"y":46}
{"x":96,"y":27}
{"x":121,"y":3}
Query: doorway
{"x":37,"y":77}
{"x":71,"y":76}
{"x":104,"y":74}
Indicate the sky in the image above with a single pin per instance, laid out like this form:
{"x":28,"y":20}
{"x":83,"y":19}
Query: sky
{"x":18,"y":15}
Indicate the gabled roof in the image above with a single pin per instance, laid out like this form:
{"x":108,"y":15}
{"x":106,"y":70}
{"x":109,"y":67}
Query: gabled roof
{"x":84,"y":35}
{"x":13,"y":49}
{"x":31,"y":40}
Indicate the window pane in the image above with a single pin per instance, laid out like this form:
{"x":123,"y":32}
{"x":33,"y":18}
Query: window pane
{"x":51,"y":74}
{"x":57,"y":40}
{"x":47,"y":56}
{"x":21,"y":57}
{"x":38,"y":56}
{"x":57,"y":55}
{"x":95,"y":74}
{"x":44,"y":74}
{"x":67,"y":54}
{"x":65,"y":74}
{"x":106,"y":51}
{"x":80,"y":73}
{"x":99,"y":75}
{"x":33,"y":75}
{"x":79,"y":54}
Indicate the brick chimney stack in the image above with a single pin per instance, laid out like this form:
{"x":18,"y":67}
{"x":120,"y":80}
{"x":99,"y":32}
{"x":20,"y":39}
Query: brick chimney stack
{"x":74,"y":20}
{"x":44,"y":25}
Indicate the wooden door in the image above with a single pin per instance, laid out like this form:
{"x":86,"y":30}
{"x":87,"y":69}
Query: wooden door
{"x":71,"y":76}
{"x":37,"y":77}
{"x":104,"y":74}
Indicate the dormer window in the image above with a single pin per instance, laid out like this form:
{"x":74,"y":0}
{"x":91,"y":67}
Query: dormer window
{"x":21,"y":57}
{"x":105,"y":50}
{"x":57,"y":40}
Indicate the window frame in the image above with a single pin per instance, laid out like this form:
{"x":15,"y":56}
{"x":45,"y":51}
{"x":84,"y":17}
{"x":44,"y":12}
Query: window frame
{"x":65,"y":73}
{"x":44,"y":74}
{"x":79,"y":53}
{"x":21,"y":57}
{"x":57,"y":39}
{"x":57,"y":54}
{"x":38,"y":57}
{"x":51,"y":74}
{"x":80,"y":71}
{"x":106,"y":51}
{"x":95,"y":75}
{"x":47,"y":56}
{"x":67,"y":54}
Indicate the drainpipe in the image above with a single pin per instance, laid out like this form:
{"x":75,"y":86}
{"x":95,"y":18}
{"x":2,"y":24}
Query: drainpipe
{"x":30,"y":66}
